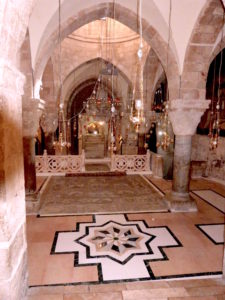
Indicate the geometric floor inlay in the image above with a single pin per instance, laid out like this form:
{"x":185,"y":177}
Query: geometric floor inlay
{"x":212,"y":197}
{"x":121,"y":249}
{"x":214,"y":232}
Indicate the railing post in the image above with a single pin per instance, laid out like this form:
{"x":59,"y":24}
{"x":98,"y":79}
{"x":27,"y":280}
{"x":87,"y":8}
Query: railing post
{"x":113,"y":162}
{"x":83,"y":160}
{"x":147,"y":166}
{"x":45,"y":159}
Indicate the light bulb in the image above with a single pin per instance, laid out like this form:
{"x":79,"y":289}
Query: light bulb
{"x":140,"y":53}
{"x":138,"y":104}
{"x":113,"y":109}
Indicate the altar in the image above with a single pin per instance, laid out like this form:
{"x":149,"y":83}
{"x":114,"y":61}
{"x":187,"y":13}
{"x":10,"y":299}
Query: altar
{"x":94,"y":146}
{"x":93,"y":136}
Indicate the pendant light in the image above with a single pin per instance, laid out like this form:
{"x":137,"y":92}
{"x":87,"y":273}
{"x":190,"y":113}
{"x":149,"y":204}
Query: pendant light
{"x":137,"y":106}
{"x":214,"y":127}
{"x":164,"y":138}
{"x":61,"y":143}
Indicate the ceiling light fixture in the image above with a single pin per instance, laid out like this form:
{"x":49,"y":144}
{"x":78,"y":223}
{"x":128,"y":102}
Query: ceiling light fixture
{"x":61,"y":143}
{"x":137,"y":106}
{"x":164,"y":134}
{"x":214,"y":127}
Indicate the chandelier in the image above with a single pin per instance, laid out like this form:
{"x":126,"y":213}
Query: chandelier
{"x":137,"y":105}
{"x":214,"y":125}
{"x":102,"y":102}
{"x":61,"y":144}
{"x":165,"y":138}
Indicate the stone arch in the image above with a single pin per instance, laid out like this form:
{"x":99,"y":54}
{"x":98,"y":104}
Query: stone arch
{"x":128,"y":18}
{"x":71,"y":83}
{"x":217,"y":49}
{"x":78,"y":89}
{"x":82,"y":86}
{"x":159,"y":78}
{"x":199,"y":51}
{"x":150,"y":76}
{"x":48,"y":85}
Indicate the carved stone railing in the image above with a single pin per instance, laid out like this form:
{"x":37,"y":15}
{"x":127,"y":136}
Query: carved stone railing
{"x":131,"y":163}
{"x":59,"y":164}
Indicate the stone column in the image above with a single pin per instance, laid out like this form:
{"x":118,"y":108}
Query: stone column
{"x":49,"y":124}
{"x":32,"y":110}
{"x":184,"y":116}
{"x":29,"y":164}
{"x":13,"y":248}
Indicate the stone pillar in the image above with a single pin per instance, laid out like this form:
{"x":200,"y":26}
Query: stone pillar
{"x":49,"y":124}
{"x":13,"y":248}
{"x":49,"y":140}
{"x":184,"y":116}
{"x":29,"y":164}
{"x":32,"y":110}
{"x":224,"y":261}
{"x":181,"y":164}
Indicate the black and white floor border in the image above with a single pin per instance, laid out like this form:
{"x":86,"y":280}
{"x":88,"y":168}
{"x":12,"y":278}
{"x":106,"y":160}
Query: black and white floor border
{"x":214,"y":232}
{"x":85,"y":231}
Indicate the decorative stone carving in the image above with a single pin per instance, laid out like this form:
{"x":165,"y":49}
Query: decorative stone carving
{"x":131,"y":163}
{"x":49,"y":121}
{"x":32,"y":111}
{"x":55,"y":164}
{"x":185,"y":115}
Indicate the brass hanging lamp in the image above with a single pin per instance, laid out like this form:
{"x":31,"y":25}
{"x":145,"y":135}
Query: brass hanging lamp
{"x":61,"y":143}
{"x":164,"y":138}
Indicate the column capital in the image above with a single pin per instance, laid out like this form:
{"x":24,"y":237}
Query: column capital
{"x":185,"y":115}
{"x":32,"y":111}
{"x":49,"y":121}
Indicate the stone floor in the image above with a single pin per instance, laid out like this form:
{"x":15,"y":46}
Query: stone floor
{"x":40,"y":180}
{"x":93,"y":194}
{"x":189,"y":251}
{"x":97,"y":167}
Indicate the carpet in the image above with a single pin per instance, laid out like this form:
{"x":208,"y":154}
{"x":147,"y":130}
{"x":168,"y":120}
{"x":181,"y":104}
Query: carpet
{"x":100,"y":194}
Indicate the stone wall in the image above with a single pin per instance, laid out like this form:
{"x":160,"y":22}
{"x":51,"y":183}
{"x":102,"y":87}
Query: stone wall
{"x":215,"y":166}
{"x":14,"y":17}
{"x":150,"y":77}
{"x":199,"y":51}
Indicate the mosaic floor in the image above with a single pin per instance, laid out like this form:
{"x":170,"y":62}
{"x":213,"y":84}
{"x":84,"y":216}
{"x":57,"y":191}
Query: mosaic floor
{"x":95,"y":194}
{"x":123,"y":247}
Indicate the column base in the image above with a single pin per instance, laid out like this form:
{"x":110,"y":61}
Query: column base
{"x":181,"y":202}
{"x":32,"y":202}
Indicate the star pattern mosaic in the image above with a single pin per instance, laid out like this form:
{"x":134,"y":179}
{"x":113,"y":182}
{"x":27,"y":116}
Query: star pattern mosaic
{"x":115,"y":239}
{"x":121,"y":249}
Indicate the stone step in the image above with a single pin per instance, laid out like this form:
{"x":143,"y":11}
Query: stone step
{"x":206,"y":289}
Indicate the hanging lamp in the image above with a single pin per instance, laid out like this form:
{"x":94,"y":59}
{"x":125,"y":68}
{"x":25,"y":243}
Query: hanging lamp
{"x":163,"y":124}
{"x":214,"y":126}
{"x":137,"y":105}
{"x":61,"y":143}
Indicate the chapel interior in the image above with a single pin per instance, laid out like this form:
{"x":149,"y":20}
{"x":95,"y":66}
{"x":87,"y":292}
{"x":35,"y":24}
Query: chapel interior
{"x":112,"y":151}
